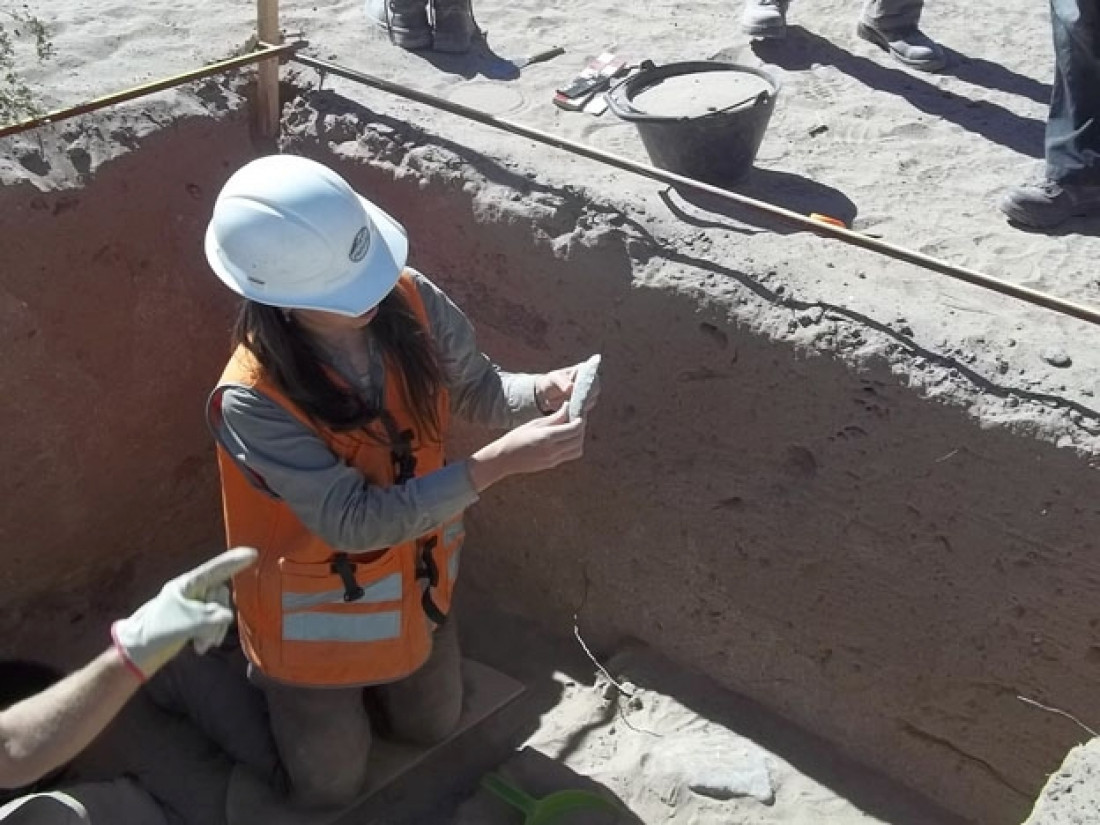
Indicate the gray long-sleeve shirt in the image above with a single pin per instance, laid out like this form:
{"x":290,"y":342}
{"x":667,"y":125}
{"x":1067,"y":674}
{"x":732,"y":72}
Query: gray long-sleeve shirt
{"x":332,"y":499}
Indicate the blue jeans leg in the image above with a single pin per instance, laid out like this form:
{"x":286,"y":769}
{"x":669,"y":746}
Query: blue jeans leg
{"x":1073,"y":126}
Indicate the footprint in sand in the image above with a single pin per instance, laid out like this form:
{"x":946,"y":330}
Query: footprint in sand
{"x":489,"y":97}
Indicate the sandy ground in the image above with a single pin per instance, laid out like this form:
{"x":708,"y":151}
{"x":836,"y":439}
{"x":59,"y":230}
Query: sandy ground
{"x":664,"y":758}
{"x":678,"y":750}
{"x":917,"y":159}
{"x":1072,"y":794}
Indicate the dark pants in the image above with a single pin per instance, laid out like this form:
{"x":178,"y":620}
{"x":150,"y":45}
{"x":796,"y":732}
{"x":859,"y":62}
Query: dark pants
{"x":1073,"y":126}
{"x":167,"y":756}
{"x":213,"y":693}
{"x":323,"y":735}
{"x":893,"y":15}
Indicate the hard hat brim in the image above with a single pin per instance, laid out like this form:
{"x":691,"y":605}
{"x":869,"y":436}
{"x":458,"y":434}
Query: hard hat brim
{"x":364,"y":289}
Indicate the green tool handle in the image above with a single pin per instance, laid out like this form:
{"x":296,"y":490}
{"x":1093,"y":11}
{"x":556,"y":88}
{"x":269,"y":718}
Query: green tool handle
{"x":495,"y":783}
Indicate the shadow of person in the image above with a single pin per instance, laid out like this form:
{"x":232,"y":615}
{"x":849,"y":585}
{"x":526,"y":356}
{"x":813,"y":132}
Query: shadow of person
{"x":992,"y":75}
{"x":1088,"y":227}
{"x":801,"y":50}
{"x":480,"y":61}
{"x":784,"y":189}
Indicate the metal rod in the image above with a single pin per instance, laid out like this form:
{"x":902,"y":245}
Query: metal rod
{"x":263,"y":53}
{"x":1082,"y":312}
{"x":266,"y":112}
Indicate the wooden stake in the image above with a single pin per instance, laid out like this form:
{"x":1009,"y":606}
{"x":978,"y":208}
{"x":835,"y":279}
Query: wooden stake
{"x":266,"y":115}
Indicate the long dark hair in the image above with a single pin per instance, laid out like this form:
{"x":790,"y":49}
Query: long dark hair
{"x":293,"y":361}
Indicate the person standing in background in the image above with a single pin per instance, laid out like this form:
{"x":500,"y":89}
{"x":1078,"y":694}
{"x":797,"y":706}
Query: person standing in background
{"x":1071,"y":187}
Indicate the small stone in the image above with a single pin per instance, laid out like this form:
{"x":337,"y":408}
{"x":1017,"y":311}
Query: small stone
{"x":1056,"y":357}
{"x":819,"y":129}
{"x":811,"y":316}
{"x":714,"y":763}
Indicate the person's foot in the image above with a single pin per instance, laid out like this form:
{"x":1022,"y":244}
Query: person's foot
{"x":911,"y":47}
{"x":1049,"y":203}
{"x":765,"y":18}
{"x":455,"y":27}
{"x":405,"y":21}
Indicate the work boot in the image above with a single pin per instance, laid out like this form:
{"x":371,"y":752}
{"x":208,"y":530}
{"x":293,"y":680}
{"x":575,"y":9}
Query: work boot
{"x":765,"y":18}
{"x":455,"y":27}
{"x":405,"y":21}
{"x":910,"y":46}
{"x":1049,"y":203}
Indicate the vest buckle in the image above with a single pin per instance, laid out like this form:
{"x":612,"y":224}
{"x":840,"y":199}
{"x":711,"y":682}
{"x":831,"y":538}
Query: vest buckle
{"x":345,"y":569}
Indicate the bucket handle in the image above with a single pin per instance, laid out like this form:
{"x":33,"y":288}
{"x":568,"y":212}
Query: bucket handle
{"x":619,"y":104}
{"x":624,"y":109}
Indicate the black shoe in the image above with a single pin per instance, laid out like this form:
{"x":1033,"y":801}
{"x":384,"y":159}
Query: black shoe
{"x":454,"y":27}
{"x":405,"y":22}
{"x":1050,"y":203}
{"x":912,"y":47}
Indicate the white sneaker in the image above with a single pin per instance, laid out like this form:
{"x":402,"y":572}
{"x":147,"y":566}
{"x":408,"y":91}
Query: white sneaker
{"x":765,"y":18}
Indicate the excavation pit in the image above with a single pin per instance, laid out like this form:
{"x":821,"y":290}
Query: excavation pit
{"x":846,"y":528}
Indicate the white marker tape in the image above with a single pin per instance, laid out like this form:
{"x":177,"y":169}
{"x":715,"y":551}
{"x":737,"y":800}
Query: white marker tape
{"x":582,"y":386}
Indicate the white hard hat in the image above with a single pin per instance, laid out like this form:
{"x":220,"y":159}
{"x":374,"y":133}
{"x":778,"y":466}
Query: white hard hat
{"x":289,"y":232}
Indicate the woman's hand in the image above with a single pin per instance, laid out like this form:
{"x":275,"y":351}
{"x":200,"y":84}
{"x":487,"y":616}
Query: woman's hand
{"x":537,"y":445}
{"x":553,"y":389}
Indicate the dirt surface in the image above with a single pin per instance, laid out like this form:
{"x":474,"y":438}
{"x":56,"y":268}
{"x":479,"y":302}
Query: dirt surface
{"x":854,"y":491}
{"x":111,"y":342}
{"x":919,"y":159}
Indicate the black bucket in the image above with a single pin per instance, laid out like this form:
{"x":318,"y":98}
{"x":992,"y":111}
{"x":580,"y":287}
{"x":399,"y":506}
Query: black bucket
{"x":714,"y":145}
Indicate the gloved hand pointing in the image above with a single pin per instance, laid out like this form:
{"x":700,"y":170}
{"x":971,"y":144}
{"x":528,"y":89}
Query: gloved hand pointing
{"x":193,"y":607}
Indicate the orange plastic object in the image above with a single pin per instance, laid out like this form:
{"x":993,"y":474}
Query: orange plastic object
{"x":817,"y":216}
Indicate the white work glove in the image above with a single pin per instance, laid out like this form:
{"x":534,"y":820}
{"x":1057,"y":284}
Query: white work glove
{"x":193,"y":607}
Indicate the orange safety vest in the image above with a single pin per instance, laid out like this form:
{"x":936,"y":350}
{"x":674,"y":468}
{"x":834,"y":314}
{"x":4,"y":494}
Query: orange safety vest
{"x":307,"y":613}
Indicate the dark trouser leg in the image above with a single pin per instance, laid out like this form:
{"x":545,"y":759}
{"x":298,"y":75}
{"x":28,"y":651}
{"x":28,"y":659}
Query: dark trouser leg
{"x":323,"y":738}
{"x":213,"y":691}
{"x":120,"y":801}
{"x":167,"y":756}
{"x":892,"y":15}
{"x":1073,"y":125}
{"x":424,"y":708}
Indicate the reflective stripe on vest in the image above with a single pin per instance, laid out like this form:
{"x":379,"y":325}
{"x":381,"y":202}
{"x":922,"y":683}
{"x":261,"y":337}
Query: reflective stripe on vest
{"x":385,"y":590}
{"x":328,"y":627}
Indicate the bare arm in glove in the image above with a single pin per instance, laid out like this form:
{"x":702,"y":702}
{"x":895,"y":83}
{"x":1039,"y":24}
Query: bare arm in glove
{"x":45,"y":731}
